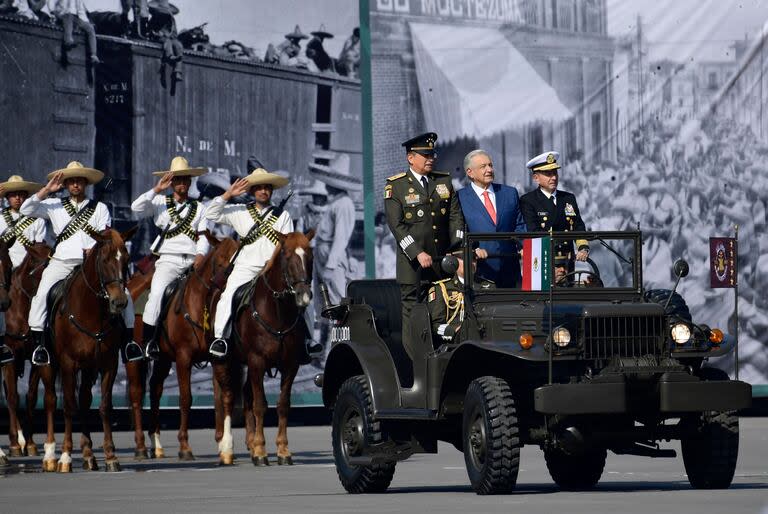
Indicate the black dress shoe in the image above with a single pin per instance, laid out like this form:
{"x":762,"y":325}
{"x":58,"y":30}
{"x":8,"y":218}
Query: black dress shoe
{"x":41,"y":357}
{"x":314,"y":349}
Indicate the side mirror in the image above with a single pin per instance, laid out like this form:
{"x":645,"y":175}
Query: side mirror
{"x":681,"y":268}
{"x":450,"y":264}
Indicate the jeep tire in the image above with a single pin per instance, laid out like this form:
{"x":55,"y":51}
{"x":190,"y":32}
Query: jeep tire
{"x":490,"y":436}
{"x":575,"y":472}
{"x":354,"y":430}
{"x":677,"y":305}
{"x":710,"y":443}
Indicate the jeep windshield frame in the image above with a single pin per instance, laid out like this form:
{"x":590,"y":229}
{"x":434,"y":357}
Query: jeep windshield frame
{"x":561,"y":293}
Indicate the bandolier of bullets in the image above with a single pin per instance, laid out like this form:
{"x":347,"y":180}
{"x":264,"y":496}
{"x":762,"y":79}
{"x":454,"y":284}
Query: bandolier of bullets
{"x":16,"y":228}
{"x":183,"y":226}
{"x":80,"y":224}
{"x":266,"y":226}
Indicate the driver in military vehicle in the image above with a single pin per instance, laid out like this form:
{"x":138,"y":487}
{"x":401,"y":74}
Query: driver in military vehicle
{"x":565,"y":278}
{"x":445,"y":302}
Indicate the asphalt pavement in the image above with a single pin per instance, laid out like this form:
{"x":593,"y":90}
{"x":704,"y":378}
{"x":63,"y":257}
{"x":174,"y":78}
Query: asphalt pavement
{"x":424,"y":483}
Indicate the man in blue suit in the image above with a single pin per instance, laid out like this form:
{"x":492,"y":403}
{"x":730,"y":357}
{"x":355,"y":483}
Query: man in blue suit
{"x":490,"y":207}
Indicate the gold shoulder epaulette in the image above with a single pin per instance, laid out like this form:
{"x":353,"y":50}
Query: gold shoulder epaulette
{"x":395,"y":177}
{"x":441,"y":281}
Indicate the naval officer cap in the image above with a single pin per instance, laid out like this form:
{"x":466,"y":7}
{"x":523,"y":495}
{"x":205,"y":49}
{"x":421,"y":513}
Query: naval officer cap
{"x":544,"y":162}
{"x":423,"y":144}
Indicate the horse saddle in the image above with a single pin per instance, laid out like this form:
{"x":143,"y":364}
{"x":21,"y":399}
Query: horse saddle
{"x":242,"y":297}
{"x":178,"y":284}
{"x":56,"y":296}
{"x":240,"y":301}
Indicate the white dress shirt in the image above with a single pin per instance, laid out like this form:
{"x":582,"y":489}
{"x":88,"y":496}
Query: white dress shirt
{"x":153,"y":204}
{"x":418,"y":176}
{"x":53,"y":210}
{"x":491,"y":194}
{"x":35,"y":233}
{"x":238,"y":217}
{"x":550,"y":195}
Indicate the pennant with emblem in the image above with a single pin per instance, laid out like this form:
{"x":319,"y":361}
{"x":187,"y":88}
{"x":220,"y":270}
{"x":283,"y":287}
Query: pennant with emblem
{"x":722,"y":262}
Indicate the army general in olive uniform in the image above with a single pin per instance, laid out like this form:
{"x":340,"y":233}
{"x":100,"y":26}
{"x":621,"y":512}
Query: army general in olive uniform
{"x":424,"y":215}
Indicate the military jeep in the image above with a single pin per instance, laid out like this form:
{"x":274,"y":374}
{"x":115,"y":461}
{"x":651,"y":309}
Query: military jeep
{"x":591,"y":364}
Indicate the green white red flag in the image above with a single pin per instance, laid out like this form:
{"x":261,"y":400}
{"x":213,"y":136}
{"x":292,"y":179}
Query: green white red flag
{"x":536,"y":264}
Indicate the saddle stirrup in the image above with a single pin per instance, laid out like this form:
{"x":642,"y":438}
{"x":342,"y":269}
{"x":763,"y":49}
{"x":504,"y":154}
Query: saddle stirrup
{"x":6,"y":354}
{"x":218,"y":348}
{"x":151,"y":348}
{"x":132,"y":351}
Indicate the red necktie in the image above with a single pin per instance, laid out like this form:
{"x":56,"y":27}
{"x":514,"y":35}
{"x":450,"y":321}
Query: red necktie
{"x":489,"y":206}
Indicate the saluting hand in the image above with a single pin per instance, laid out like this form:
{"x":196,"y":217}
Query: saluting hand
{"x":164,"y":182}
{"x":53,"y":185}
{"x":425,"y":260}
{"x":582,"y":255}
{"x":237,"y":188}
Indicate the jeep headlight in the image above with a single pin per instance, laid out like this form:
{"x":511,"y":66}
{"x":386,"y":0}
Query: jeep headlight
{"x":681,"y":333}
{"x":561,"y":336}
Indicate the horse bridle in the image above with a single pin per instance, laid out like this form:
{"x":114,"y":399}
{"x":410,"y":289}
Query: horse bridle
{"x":102,"y":292}
{"x":290,"y":285}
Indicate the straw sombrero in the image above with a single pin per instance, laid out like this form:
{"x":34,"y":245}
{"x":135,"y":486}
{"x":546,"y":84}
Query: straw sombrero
{"x":262,"y":176}
{"x":163,"y":6}
{"x":17,"y":183}
{"x":180,"y":168}
{"x":322,"y":33}
{"x":296,"y":34}
{"x":76,"y":169}
{"x":317,"y":188}
{"x":336,"y":174}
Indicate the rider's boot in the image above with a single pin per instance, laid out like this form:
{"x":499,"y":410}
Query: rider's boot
{"x":40,"y":355}
{"x":151,"y":348}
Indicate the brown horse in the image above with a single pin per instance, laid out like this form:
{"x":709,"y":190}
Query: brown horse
{"x":24,"y":282}
{"x":87,"y":337}
{"x":183,"y":337}
{"x":136,"y":371}
{"x":269,"y":334}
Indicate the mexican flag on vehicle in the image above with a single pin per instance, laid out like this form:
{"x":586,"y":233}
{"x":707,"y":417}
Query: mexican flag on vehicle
{"x":536,"y":264}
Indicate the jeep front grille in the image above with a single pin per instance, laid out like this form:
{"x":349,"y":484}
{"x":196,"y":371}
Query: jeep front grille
{"x":623,"y":336}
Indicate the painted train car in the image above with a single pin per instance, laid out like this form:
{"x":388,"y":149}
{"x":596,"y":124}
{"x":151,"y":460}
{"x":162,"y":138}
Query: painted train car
{"x":121,"y":118}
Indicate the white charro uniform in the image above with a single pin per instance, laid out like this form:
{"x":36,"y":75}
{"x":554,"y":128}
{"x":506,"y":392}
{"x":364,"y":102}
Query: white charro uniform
{"x":23,"y":231}
{"x":252,"y":257}
{"x":69,"y":252}
{"x":180,"y":246}
{"x":26,"y":230}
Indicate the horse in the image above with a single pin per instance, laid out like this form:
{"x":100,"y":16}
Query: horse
{"x":269,"y":333}
{"x":86,"y":337}
{"x":183,"y":334}
{"x":23,"y":286}
{"x":136,"y":371}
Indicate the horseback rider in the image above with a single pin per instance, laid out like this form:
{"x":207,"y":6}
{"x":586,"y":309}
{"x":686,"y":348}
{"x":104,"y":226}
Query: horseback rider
{"x":18,"y":231}
{"x":257,"y":224}
{"x":179,"y":245}
{"x":73,"y":220}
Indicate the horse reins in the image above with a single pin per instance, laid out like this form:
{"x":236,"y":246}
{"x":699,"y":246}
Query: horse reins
{"x":101,"y":294}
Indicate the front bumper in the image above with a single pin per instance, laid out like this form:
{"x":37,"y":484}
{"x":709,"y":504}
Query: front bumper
{"x":669,"y":394}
